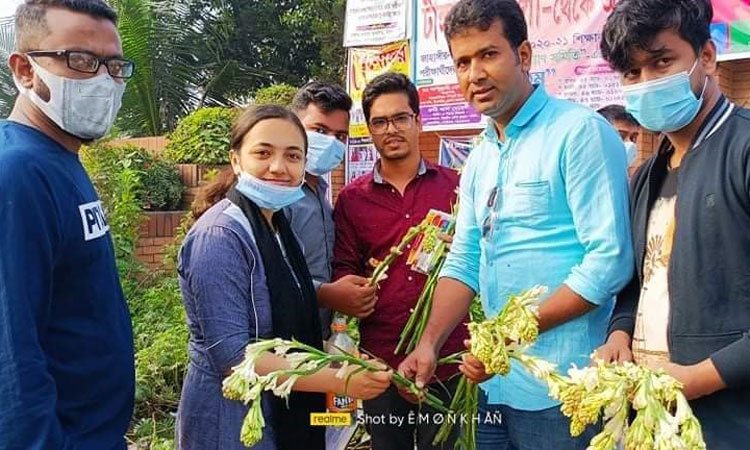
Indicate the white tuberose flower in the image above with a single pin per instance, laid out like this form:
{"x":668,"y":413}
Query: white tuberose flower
{"x":285,"y":388}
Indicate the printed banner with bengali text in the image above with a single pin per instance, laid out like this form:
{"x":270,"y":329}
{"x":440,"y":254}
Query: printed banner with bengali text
{"x":564,"y":35}
{"x":376,"y":22}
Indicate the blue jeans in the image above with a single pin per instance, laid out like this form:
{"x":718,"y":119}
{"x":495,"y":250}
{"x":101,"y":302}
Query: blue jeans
{"x":547,"y":429}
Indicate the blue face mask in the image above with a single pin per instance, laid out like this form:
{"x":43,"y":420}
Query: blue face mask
{"x":324,"y":153}
{"x":666,"y":104}
{"x":631,"y":152}
{"x":268,"y":195}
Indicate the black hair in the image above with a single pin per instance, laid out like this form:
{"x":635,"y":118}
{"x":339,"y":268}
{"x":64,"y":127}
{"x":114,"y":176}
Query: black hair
{"x":617,"y":112}
{"x":31,"y":23}
{"x":389,"y":83}
{"x":634,"y":24}
{"x":326,"y":96}
{"x":482,"y":14}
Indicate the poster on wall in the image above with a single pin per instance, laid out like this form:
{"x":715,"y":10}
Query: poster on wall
{"x":730,"y":29}
{"x":363,"y":65}
{"x":455,"y":150}
{"x":442,"y":106}
{"x":564,"y":36}
{"x":376,"y":22}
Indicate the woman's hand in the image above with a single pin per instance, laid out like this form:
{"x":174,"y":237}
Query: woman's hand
{"x":365,"y":385}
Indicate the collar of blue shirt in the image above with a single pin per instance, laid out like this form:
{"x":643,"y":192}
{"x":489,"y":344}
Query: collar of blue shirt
{"x":322,"y":186}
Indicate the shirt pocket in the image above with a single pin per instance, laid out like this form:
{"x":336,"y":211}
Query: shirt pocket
{"x":528,"y":202}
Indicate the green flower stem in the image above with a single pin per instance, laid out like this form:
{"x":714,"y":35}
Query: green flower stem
{"x":417,"y":322}
{"x":326,"y":359}
{"x":447,"y":426}
{"x":412,"y":319}
{"x":455,"y":358}
{"x":382,"y":267}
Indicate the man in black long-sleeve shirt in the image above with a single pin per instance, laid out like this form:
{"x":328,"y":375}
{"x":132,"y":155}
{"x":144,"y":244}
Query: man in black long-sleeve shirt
{"x":687,"y":308}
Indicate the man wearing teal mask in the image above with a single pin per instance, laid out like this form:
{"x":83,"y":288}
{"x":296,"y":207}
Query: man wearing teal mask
{"x":628,"y":128}
{"x":324,"y":111}
{"x":687,"y":307}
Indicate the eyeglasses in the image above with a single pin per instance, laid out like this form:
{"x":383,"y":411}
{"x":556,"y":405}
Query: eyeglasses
{"x":488,"y":224}
{"x":86,"y":62}
{"x":401,"y":122}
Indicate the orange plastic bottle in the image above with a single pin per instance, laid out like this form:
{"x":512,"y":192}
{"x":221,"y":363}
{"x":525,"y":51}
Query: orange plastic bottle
{"x":338,"y":343}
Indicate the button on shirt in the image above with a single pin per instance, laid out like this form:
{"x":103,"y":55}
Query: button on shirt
{"x":560,"y":216}
{"x":311,"y":219}
{"x":371,"y":217}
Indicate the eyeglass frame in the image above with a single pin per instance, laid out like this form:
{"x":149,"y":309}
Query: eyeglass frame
{"x":392,"y":120}
{"x":99,"y":60}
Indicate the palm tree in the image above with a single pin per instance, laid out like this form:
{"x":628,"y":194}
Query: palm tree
{"x":179,"y":49}
{"x":8,"y":90}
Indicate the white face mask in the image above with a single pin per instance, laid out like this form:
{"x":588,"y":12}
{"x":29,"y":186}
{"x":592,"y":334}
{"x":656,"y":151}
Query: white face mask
{"x":85,"y":108}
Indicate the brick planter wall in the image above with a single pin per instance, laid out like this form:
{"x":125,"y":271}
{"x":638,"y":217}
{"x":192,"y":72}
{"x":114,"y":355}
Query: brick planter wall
{"x":157,"y":231}
{"x":192,"y":176}
{"x":154,"y":145}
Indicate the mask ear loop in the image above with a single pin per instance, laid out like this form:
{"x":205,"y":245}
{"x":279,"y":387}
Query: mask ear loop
{"x":703,"y":91}
{"x":705,"y":80}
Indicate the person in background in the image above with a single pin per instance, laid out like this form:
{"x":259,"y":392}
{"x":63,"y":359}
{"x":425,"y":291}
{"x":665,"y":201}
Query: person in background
{"x":543,"y":202}
{"x":67,"y":374}
{"x":372,"y":215}
{"x":323,"y":109}
{"x":243,"y":278}
{"x":687,"y":308}
{"x":629,"y":130}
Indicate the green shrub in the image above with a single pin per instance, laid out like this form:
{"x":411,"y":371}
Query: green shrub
{"x":202,"y":137}
{"x":158,"y":185}
{"x":161,"y":336}
{"x":114,"y":173}
{"x":121,"y":175}
{"x":171,"y":251}
{"x":151,"y":434}
{"x":161,"y":358}
{"x":162,"y":186}
{"x":279,"y":94}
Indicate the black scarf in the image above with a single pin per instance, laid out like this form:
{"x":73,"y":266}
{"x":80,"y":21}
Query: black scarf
{"x":294,"y":312}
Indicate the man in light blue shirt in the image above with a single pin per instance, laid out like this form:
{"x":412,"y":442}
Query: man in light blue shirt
{"x":543,"y":201}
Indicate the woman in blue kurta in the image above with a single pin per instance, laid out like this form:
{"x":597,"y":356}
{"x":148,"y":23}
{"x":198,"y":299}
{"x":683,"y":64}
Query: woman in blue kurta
{"x":243,"y":278}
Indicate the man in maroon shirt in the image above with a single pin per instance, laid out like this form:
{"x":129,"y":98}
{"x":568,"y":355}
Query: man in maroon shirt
{"x":372,"y":214}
